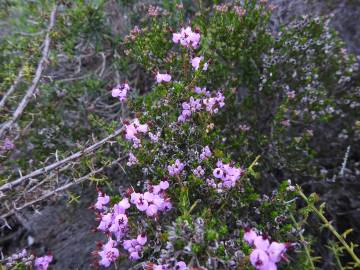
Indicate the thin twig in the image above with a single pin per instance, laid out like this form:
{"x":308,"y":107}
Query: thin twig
{"x":10,"y":185}
{"x":31,"y":90}
{"x":12,"y":88}
{"x":59,"y":189}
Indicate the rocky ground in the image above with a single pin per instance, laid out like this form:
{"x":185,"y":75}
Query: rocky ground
{"x":66,"y":229}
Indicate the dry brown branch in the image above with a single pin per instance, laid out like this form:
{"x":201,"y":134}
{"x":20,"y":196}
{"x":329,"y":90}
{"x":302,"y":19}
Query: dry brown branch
{"x":10,"y":185}
{"x":12,"y":88}
{"x":59,"y":189}
{"x":31,"y":90}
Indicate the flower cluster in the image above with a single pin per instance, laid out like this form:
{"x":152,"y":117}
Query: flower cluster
{"x":176,"y":168}
{"x":134,"y":246}
{"x":210,"y":104}
{"x":102,"y":200}
{"x":153,"y":201}
{"x":239,"y":11}
{"x":7,"y":145}
{"x":163,"y":77}
{"x":40,"y":263}
{"x":199,"y":171}
{"x":188,"y":108}
{"x":132,"y":160}
{"x":265,"y":255}
{"x":114,"y":220}
{"x":227,"y":173}
{"x":120,"y":91}
{"x":187,"y":38}
{"x":213,"y":104}
{"x":109,"y":253}
{"x":180,"y":265}
{"x":195,"y":62}
{"x":205,"y":153}
{"x":132,"y":131}
{"x":154,"y":137}
{"x":199,"y":90}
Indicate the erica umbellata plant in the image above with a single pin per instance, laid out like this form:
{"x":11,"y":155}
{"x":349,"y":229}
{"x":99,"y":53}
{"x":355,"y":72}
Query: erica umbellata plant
{"x":192,"y":193}
{"x":230,"y":122}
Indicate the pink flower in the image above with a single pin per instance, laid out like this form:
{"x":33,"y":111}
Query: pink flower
{"x":187,"y":38}
{"x":176,"y":168}
{"x":259,"y":259}
{"x":109,"y":253}
{"x":199,"y":90}
{"x":134,"y":197}
{"x":206,"y":153}
{"x":154,"y":137}
{"x":120,"y":91}
{"x":141,"y":239}
{"x":166,"y":206}
{"x":134,"y":256}
{"x":105,"y":223}
{"x":244,"y":127}
{"x":119,"y":223}
{"x":163,"y":77}
{"x":195,"y":62}
{"x":270,"y":266}
{"x":286,"y":123}
{"x":134,"y":246}
{"x":214,"y":103}
{"x":132,"y":131}
{"x":142,"y":128}
{"x":199,"y":171}
{"x":227,"y":173}
{"x":42,"y":263}
{"x":188,"y":108}
{"x":218,"y":173}
{"x":275,"y":251}
{"x":148,"y":196}
{"x":151,"y":210}
{"x":164,"y":185}
{"x":141,"y":203}
{"x":102,"y":200}
{"x":132,"y":160}
{"x":8,"y":144}
{"x":176,"y":37}
{"x":249,"y":236}
{"x":154,"y":11}
{"x":127,"y":244}
{"x":239,"y":11}
{"x":261,"y":242}
{"x":124,"y":203}
{"x":180,"y":266}
{"x":291,"y":94}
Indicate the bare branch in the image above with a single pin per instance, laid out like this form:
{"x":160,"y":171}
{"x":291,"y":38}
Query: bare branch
{"x":12,"y":88}
{"x":10,"y":185}
{"x":30,"y":92}
{"x":59,"y":189}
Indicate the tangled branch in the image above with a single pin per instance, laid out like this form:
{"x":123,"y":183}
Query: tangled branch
{"x":11,"y":185}
{"x":59,"y":189}
{"x":30,"y":92}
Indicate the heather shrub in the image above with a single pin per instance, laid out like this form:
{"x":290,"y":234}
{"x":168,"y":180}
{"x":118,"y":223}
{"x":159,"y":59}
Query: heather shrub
{"x":276,"y":90}
{"x":220,"y":138}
